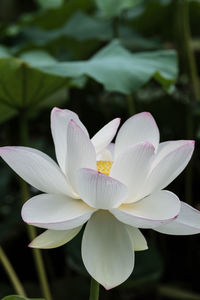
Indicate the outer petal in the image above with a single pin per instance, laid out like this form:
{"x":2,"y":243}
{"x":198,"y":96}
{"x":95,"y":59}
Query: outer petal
{"x":107,"y":250}
{"x":168,"y":168}
{"x":104,"y":136}
{"x":139,"y":128}
{"x":137,"y":238}
{"x":37,"y":169}
{"x":99,"y":190}
{"x":150,"y":212}
{"x":55,"y":212}
{"x":59,"y":122}
{"x":54,"y":238}
{"x":132,"y":167}
{"x":80,"y":151}
{"x":188,"y":222}
{"x":165,"y":148}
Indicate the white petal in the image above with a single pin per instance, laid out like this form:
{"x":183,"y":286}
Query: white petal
{"x":59,"y":123}
{"x":107,"y":250}
{"x":104,"y":136}
{"x":168,"y":168}
{"x":37,"y":169}
{"x":139,"y":128}
{"x":80,"y":151}
{"x":149,"y":212}
{"x":55,"y":212}
{"x":165,"y":148}
{"x":99,"y":190}
{"x":107,"y":154}
{"x":188,"y":222}
{"x":54,"y":238}
{"x":132,"y":167}
{"x":138,"y":240}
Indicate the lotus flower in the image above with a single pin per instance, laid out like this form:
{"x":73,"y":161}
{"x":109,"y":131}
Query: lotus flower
{"x":115,"y":188}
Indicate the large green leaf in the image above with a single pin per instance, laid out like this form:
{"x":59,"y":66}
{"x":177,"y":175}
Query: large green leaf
{"x":22,"y":85}
{"x":82,"y":27}
{"x":56,"y":16}
{"x":16,"y":297}
{"x":50,"y":3}
{"x":112,"y":8}
{"x":117,"y":69}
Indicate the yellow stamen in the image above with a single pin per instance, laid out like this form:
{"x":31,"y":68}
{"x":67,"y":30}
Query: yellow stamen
{"x":104,"y":166}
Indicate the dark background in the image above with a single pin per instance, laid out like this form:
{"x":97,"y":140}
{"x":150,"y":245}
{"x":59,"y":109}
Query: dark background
{"x":170,"y":268}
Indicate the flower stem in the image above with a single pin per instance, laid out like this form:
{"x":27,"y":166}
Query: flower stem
{"x":189,"y":54}
{"x":11,"y":273}
{"x":30,"y":229}
{"x":131,"y":104}
{"x":94,"y":290}
{"x":189,"y":58}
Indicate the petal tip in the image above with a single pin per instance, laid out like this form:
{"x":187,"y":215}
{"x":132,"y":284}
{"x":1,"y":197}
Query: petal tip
{"x":30,"y":245}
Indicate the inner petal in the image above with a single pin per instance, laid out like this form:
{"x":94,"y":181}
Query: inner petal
{"x":104,"y":166}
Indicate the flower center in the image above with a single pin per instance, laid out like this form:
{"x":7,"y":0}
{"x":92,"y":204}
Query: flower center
{"x":104,"y":166}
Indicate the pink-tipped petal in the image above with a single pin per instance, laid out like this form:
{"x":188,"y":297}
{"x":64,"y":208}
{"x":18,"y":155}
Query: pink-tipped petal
{"x":132,"y":167}
{"x":99,"y":190}
{"x":37,"y":169}
{"x":107,"y":250}
{"x":56,"y":212}
{"x":139,"y":128}
{"x":187,"y":222}
{"x":152,"y":211}
{"x":167,"y":168}
{"x":80,"y":151}
{"x":105,"y":135}
{"x":59,"y":123}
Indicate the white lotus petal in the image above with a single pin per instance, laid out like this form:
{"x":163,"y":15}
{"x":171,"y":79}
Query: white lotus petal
{"x":54,"y":238}
{"x":152,"y":211}
{"x":188,"y":222}
{"x":104,"y":155}
{"x":107,"y":250}
{"x":138,"y":240}
{"x":104,"y":136}
{"x":59,"y":123}
{"x":139,"y":128}
{"x":55,"y":212}
{"x":107,"y":154}
{"x":99,"y":190}
{"x":37,"y":169}
{"x":165,"y":148}
{"x":132,"y":167}
{"x":80,"y":151}
{"x":168,"y":168}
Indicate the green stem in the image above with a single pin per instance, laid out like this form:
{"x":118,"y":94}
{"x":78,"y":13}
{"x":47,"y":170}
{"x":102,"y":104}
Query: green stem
{"x":11,"y":274}
{"x":30,"y":229}
{"x":116,"y":33}
{"x":185,"y":35}
{"x":189,"y":54}
{"x":94,"y":290}
{"x":131,"y":104}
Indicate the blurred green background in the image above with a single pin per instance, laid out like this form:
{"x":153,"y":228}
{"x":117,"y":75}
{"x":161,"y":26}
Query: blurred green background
{"x":102,"y":59}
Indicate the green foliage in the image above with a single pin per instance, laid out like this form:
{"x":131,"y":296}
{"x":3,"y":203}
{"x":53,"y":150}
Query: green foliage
{"x":29,"y":85}
{"x":112,"y":8}
{"x":36,"y":75}
{"x":116,"y":68}
{"x":56,"y":16}
{"x":15,"y":297}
